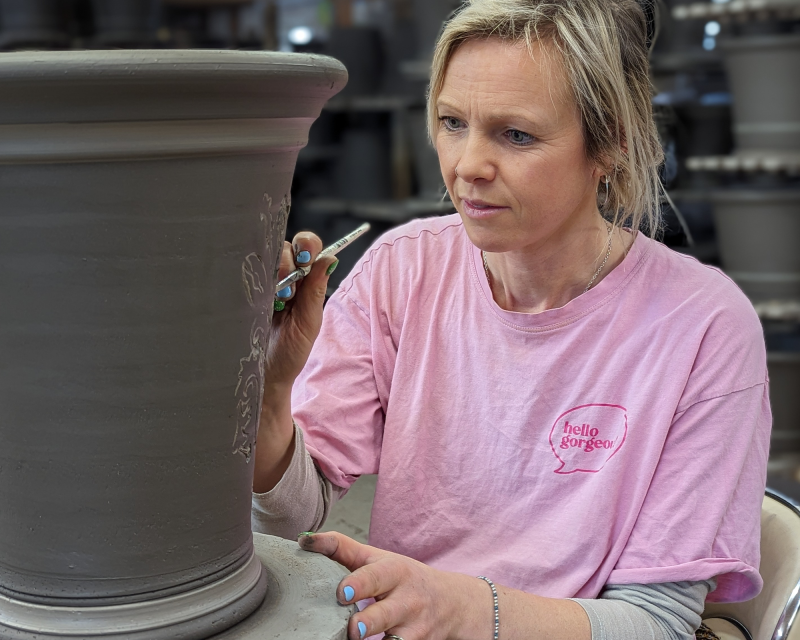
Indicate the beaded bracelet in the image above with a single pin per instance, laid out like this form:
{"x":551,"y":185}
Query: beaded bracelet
{"x":496,"y":607}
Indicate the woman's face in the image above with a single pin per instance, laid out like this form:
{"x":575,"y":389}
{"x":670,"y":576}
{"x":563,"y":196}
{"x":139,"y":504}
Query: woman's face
{"x":511,"y":147}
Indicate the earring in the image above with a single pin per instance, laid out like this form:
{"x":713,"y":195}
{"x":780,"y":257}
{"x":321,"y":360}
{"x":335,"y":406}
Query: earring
{"x":605,"y":202}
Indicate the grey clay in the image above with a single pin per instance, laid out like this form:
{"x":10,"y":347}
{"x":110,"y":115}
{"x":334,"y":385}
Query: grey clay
{"x":762,"y":72}
{"x":143,"y":202}
{"x":757,"y":232}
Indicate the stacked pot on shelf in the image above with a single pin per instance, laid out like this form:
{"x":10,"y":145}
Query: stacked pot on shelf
{"x":45,"y":24}
{"x":33,"y":24}
{"x":757,"y":200}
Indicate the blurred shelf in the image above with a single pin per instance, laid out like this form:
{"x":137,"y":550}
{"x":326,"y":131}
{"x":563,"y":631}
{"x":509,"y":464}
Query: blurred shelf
{"x":316,"y":153}
{"x":748,"y":161}
{"x":704,"y":251}
{"x":391,"y":211}
{"x":739,"y":9}
{"x":781,"y":310}
{"x":692,"y":195}
{"x":416,"y":70}
{"x":206,"y":3}
{"x":690,"y":60}
{"x":397,"y":107}
{"x":369,"y":103}
{"x":785,"y":465}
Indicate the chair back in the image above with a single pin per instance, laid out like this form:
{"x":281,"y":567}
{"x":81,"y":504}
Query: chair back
{"x":772,"y":614}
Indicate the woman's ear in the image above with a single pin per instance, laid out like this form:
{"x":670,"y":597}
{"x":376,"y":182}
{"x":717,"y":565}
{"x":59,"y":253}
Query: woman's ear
{"x":602,"y":169}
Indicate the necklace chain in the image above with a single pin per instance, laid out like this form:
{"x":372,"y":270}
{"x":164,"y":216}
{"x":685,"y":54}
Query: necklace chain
{"x":594,"y":277}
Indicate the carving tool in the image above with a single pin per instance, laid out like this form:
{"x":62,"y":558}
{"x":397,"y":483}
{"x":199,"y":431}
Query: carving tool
{"x":336,"y":247}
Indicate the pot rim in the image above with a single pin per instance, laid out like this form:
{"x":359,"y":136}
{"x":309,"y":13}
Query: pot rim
{"x":114,"y":64}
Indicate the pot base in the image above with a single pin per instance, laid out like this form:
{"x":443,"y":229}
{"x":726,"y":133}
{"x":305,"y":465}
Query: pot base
{"x":301,"y":605}
{"x":186,"y":615}
{"x":301,"y":600}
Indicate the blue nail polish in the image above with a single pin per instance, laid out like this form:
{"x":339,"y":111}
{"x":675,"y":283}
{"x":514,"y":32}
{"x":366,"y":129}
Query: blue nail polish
{"x":349,"y":593}
{"x":362,"y":629}
{"x":303,"y":257}
{"x":285,"y":292}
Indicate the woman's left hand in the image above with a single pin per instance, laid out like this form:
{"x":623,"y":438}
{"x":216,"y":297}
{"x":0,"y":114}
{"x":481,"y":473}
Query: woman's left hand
{"x":413,"y":601}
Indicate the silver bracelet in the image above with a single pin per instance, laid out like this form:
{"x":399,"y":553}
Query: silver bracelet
{"x":496,"y":606}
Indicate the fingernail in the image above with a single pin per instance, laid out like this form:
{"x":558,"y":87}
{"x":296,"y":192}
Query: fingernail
{"x":332,"y":268}
{"x":349,"y":593}
{"x":362,"y":629}
{"x":285,"y":292}
{"x":278,"y":305}
{"x":303,"y":257}
{"x":306,"y":539}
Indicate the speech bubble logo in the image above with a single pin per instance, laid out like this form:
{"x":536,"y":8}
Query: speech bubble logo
{"x":588,"y":436}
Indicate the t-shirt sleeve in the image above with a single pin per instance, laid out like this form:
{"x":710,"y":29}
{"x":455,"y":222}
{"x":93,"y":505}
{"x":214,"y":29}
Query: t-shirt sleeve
{"x":335,"y":400}
{"x":301,"y":501}
{"x":342,"y":395}
{"x":670,"y":611}
{"x":701,"y":517}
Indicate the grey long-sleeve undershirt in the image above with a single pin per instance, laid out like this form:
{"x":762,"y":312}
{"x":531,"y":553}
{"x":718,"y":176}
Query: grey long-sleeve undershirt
{"x":301,"y":501}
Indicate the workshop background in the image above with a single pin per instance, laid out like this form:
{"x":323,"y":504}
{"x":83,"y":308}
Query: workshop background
{"x":727,"y":79}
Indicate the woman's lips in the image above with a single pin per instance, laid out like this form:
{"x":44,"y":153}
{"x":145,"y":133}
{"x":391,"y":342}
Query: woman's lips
{"x":477,"y":209}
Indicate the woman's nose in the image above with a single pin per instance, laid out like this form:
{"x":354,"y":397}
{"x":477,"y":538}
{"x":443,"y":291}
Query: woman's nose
{"x":475,"y":161}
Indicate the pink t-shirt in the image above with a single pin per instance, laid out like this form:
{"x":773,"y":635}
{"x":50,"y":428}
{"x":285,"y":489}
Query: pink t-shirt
{"x":622,"y":438}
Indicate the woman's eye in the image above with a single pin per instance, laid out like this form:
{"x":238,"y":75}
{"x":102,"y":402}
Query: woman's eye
{"x":519,"y":137}
{"x":451,"y":123}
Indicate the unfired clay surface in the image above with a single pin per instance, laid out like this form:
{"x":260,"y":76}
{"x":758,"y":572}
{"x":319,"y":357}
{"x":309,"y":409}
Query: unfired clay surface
{"x":143,"y":204}
{"x":301,"y":602}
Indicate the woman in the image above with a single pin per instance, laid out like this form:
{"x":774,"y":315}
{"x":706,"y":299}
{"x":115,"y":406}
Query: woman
{"x":550,"y":399}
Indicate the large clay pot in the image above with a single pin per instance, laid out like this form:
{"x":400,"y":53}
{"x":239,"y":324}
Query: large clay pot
{"x":32,"y":23}
{"x":677,"y":36}
{"x":123,"y":23}
{"x":361,"y":50}
{"x":762,"y":72}
{"x":784,"y":375}
{"x":430,"y":16}
{"x":757,"y":233}
{"x":705,"y":129}
{"x":363,"y":170}
{"x":143,"y":202}
{"x":783,"y":361}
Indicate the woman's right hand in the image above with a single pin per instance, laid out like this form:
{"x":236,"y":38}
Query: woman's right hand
{"x":296,"y":322}
{"x":297,"y":325}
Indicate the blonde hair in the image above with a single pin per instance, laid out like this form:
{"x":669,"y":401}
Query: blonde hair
{"x":603,"y":47}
